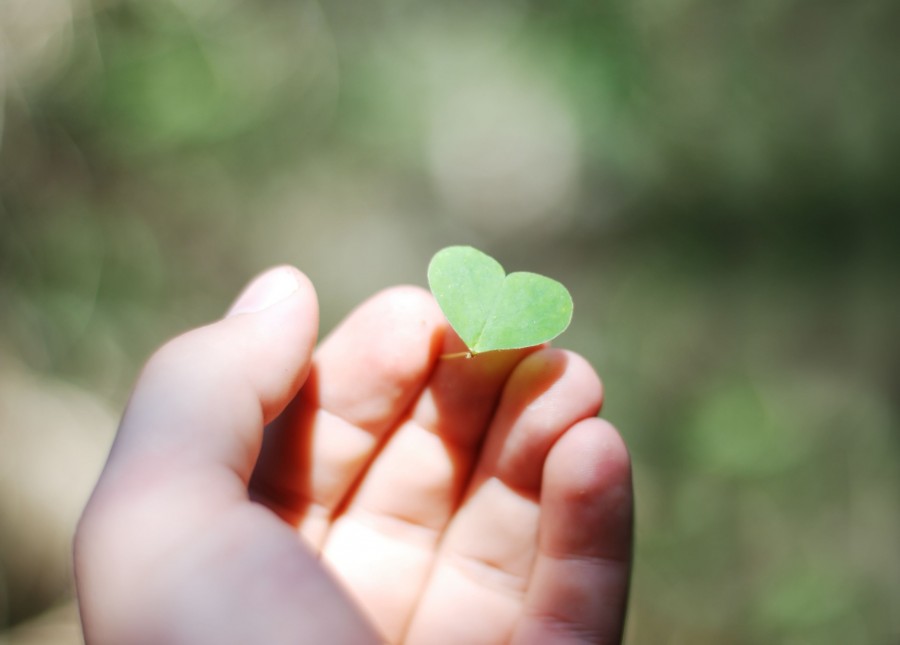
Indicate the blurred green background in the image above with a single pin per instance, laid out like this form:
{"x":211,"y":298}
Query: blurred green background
{"x":716,"y":182}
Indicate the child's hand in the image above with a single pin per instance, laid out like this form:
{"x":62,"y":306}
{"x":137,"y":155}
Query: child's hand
{"x":456,"y":500}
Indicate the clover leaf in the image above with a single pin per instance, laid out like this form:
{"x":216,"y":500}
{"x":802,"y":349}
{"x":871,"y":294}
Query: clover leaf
{"x":490,"y":310}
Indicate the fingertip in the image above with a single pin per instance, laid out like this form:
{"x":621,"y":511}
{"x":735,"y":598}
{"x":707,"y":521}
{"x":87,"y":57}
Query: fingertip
{"x":592,"y":383}
{"x":209,"y":391}
{"x":269,"y":288}
{"x":588,"y":483}
{"x":402,"y":317}
{"x":387,"y":347}
{"x":418,"y":308}
{"x":410,"y":305}
{"x":271,"y":332}
{"x":572,"y":371}
{"x":409,"y":294}
{"x":589,"y":460}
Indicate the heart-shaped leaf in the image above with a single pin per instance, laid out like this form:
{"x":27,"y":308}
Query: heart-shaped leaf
{"x":491,"y":310}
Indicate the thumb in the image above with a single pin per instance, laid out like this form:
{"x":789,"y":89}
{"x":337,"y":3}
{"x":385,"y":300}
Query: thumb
{"x":203,"y":399}
{"x":168,"y":548}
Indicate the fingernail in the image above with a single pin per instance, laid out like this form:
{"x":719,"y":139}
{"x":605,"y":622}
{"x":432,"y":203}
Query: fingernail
{"x":268,"y":289}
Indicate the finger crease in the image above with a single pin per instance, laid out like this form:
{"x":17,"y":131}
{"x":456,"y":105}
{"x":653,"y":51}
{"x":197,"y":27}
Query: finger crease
{"x":489,"y":575}
{"x":396,"y":526}
{"x":592,"y":560}
{"x":568,"y":627}
{"x":289,"y":504}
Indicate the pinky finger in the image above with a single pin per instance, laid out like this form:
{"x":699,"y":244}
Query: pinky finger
{"x":578,"y":589}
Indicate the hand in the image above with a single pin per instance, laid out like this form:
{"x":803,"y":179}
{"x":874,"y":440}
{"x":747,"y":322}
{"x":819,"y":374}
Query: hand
{"x":451,"y":500}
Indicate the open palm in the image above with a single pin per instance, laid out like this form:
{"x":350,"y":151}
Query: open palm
{"x":454,"y":500}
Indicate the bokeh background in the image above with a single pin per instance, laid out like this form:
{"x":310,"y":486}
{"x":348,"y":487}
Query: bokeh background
{"x":716,"y":182}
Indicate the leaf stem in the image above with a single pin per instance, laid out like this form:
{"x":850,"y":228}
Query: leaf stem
{"x":467,"y":354}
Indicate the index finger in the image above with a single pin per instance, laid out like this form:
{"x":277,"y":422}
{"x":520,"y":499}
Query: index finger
{"x":364,"y":377}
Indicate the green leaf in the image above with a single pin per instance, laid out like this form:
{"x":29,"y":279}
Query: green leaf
{"x":490,"y":310}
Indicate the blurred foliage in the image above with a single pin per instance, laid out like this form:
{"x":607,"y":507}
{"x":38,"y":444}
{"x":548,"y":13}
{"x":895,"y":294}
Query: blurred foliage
{"x":715,"y":181}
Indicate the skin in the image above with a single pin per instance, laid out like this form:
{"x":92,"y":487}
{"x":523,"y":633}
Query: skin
{"x":367,"y":491}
